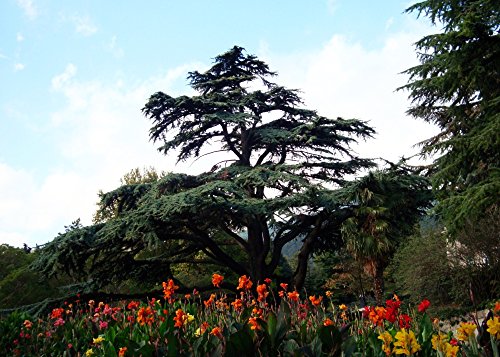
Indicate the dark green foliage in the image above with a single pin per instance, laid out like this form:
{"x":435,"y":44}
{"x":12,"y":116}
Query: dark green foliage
{"x":457,"y":87}
{"x":268,"y":191}
{"x":386,"y":205}
{"x":462,"y":271}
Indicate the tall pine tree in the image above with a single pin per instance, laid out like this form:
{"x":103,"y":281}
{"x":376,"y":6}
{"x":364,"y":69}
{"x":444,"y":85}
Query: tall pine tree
{"x":456,"y":86}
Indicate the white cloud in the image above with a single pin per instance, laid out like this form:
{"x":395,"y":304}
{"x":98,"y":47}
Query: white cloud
{"x":19,"y":37}
{"x":29,"y":8}
{"x":113,"y":47}
{"x":59,"y":80}
{"x":345,"y":79}
{"x":84,"y":25}
{"x":18,"y":67}
{"x":101,"y":131}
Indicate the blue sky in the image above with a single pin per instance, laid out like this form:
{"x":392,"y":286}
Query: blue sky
{"x":75,"y":74}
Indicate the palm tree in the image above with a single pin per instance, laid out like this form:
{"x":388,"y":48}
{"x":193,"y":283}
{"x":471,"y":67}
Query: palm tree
{"x":386,"y":205}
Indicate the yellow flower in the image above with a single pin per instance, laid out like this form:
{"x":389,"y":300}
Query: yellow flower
{"x":98,"y":340}
{"x":451,"y":351}
{"x":189,"y":318}
{"x":343,"y":307}
{"x":439,"y":342}
{"x":494,"y":327}
{"x":466,"y":330}
{"x":386,"y":339}
{"x":90,"y":352}
{"x":406,"y":343}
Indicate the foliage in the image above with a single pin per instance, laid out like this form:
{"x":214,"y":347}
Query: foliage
{"x":452,"y":271}
{"x":247,"y":324}
{"x":268,"y":190}
{"x":456,"y":87}
{"x":18,"y":284}
{"x":386,"y":205}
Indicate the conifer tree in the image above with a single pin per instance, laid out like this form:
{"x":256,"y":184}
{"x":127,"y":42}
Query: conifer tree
{"x":456,"y":86}
{"x":269,"y":189}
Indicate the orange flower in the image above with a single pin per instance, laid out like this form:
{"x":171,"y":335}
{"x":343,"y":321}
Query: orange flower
{"x":315,"y":301}
{"x":328,"y":293}
{"x":210,"y":301}
{"x":328,"y":322}
{"x":244,"y":283}
{"x":217,"y":280}
{"x":180,"y":318}
{"x":122,"y":351}
{"x":169,"y":290}
{"x":281,"y":294}
{"x":216,"y":331}
{"x":496,"y":309}
{"x":284,"y":286}
{"x":294,"y":296}
{"x":343,"y":307}
{"x":237,"y":304}
{"x":145,"y":315}
{"x":27,"y":324}
{"x":262,"y":292}
{"x":254,"y":325}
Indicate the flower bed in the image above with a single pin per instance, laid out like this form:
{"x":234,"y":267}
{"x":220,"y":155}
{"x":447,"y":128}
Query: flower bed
{"x":263,"y":319}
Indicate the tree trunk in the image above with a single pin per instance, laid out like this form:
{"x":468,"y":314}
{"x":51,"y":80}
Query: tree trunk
{"x":378,"y":284}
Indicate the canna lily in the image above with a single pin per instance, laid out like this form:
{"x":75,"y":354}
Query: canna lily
{"x":328,"y":322}
{"x":424,"y":305}
{"x":262,"y":292}
{"x":465,"y":330}
{"x":315,"y":301}
{"x":145,"y":315}
{"x":293,"y":295}
{"x":169,"y":290}
{"x":406,"y":343}
{"x":217,"y":280}
{"x":244,"y":283}
{"x":386,"y":342}
{"x":122,"y":351}
{"x":494,"y":327}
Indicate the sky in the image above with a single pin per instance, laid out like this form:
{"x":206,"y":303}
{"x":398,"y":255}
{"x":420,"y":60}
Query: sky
{"x":74,"y":76}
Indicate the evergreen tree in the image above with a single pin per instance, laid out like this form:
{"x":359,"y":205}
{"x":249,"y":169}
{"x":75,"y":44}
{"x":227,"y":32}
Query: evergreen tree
{"x":269,"y":189}
{"x":456,"y":86}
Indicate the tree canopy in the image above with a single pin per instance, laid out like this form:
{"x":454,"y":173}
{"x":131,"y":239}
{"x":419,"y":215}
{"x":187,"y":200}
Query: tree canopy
{"x":456,"y":86}
{"x":278,"y":181}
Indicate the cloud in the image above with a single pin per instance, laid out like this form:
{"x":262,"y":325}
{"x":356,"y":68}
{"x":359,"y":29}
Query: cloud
{"x":29,"y":8}
{"x":18,"y":67}
{"x":101,"y":134}
{"x":84,"y":25}
{"x":19,"y":37}
{"x":346,"y":79}
{"x":115,"y":50}
{"x":59,"y":80}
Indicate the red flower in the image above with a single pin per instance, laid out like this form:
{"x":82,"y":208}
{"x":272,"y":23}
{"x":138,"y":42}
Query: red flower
{"x":284,"y":286}
{"x":133,"y":305}
{"x":404,"y":321}
{"x":57,"y":313}
{"x":267,"y":281}
{"x":424,"y":305}
{"x":217,"y":280}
